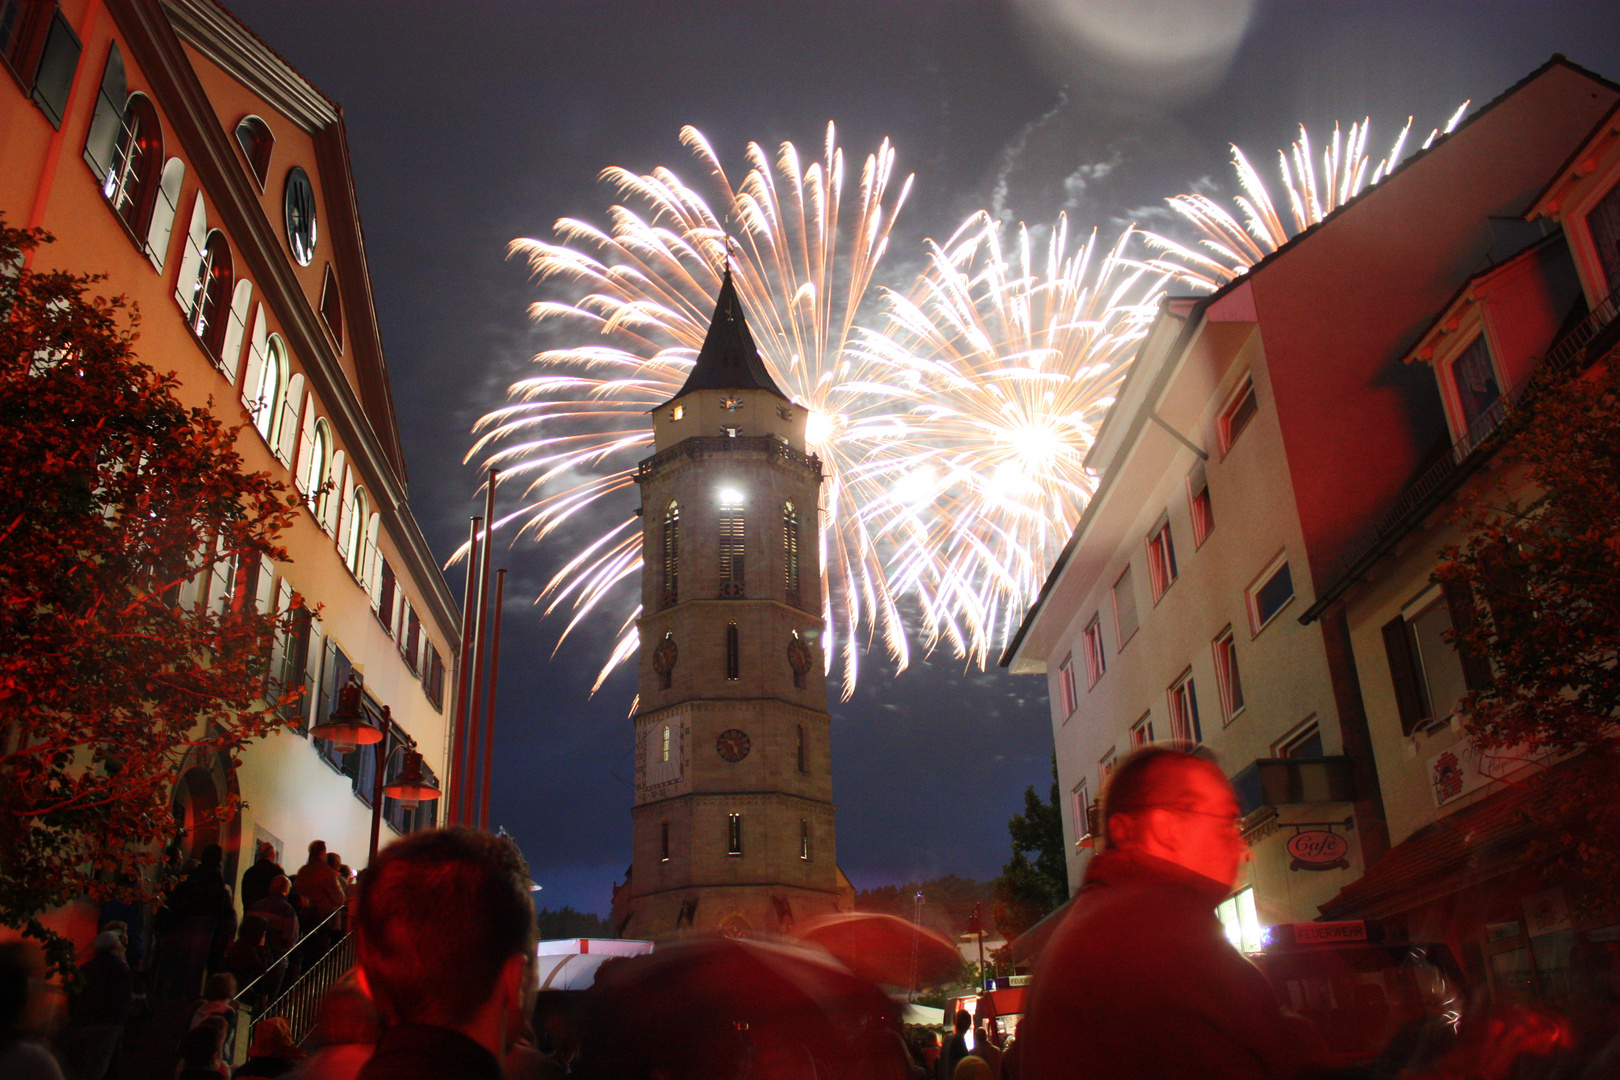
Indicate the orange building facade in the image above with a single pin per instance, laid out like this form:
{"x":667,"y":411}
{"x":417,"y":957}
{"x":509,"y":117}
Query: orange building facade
{"x":164,"y":145}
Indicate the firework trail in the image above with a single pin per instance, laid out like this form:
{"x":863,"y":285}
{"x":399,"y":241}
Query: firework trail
{"x":1010,"y":359}
{"x":1227,"y":247}
{"x":573,"y":432}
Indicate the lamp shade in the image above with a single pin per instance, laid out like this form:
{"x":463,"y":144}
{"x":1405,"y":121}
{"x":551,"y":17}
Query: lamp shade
{"x":348,"y":727}
{"x":411,"y":787}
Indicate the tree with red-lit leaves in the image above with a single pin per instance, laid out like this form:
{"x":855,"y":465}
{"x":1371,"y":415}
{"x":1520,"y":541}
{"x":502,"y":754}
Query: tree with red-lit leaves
{"x":1543,"y":558}
{"x":113,"y":495}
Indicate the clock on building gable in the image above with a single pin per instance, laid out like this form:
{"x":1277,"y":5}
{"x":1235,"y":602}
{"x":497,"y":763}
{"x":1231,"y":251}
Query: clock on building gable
{"x":733,"y":745}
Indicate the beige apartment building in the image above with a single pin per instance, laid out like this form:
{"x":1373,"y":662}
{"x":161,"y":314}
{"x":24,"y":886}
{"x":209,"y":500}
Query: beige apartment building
{"x":1263,"y":432}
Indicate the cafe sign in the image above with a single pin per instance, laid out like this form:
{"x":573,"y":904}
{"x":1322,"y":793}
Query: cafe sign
{"x":1318,"y":849}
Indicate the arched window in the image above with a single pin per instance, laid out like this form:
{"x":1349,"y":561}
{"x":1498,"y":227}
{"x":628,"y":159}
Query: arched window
{"x":790,"y":551}
{"x":254,"y":137}
{"x":733,"y":650}
{"x":732,"y":567}
{"x":269,"y":395}
{"x":317,"y":469}
{"x":359,"y":517}
{"x":131,"y":185}
{"x":672,"y":553}
{"x":211,"y":293}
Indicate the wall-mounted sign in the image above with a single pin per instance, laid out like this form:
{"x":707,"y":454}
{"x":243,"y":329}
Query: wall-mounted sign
{"x":1318,"y":849}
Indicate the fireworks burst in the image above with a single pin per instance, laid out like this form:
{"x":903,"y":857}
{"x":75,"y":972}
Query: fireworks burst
{"x":1010,"y":360}
{"x":1227,"y":247}
{"x":803,"y":264}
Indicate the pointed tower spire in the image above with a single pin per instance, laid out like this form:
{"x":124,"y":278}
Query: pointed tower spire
{"x":728,"y":359}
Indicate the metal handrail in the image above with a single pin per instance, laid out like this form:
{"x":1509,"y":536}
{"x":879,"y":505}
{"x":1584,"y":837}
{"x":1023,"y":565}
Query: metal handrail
{"x":300,"y":1002}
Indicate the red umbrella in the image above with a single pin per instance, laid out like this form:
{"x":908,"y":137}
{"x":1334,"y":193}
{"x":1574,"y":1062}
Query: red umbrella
{"x":729,"y":1007}
{"x":884,"y":948}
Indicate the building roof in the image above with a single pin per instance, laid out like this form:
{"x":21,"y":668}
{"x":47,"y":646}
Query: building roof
{"x":1580,"y":164}
{"x":728,"y":359}
{"x":1467,"y":848}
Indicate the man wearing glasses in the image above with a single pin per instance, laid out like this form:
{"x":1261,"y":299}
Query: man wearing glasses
{"x":1139,"y":981}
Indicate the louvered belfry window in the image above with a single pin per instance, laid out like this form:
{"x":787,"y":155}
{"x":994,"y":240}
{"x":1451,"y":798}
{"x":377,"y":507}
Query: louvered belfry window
{"x":731,"y":550}
{"x":672,"y":553}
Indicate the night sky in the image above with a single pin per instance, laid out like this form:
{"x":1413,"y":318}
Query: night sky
{"x":473,"y":123}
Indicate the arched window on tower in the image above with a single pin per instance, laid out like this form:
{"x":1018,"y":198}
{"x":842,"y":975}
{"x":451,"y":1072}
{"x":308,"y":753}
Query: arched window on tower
{"x":790,"y":551}
{"x":733,"y":647}
{"x":211,"y":294}
{"x":672,"y":553}
{"x":731,"y":549}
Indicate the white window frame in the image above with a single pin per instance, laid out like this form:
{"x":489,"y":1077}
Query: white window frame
{"x":1203,"y":522}
{"x":1181,"y":700}
{"x":1225,"y":437}
{"x":1228,"y":675}
{"x":1251,"y":595}
{"x":1120,"y":637}
{"x":1067,"y":692}
{"x":1161,"y":558}
{"x":1141,"y":733}
{"x":1092,"y":645}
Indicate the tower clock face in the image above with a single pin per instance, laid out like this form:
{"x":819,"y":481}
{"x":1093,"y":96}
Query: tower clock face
{"x":732,"y":745}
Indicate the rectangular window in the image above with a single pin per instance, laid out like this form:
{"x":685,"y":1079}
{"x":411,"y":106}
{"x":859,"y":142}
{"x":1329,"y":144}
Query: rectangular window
{"x":1184,"y":725}
{"x":1270,"y":593}
{"x":1474,"y":378}
{"x":733,"y":649}
{"x":734,"y":835}
{"x":1092,"y":644}
{"x":23,"y":25}
{"x":1430,"y":674}
{"x":1105,"y":766}
{"x":732,"y":561}
{"x":1080,"y":805}
{"x":1142,"y":732}
{"x":663,"y":842}
{"x":1236,"y":416}
{"x":804,"y":839}
{"x":1161,"y":557}
{"x":1304,"y":741}
{"x":1203,"y":514}
{"x":663,"y":748}
{"x":1124,"y":608}
{"x":1227,"y":680}
{"x":1066,"y":690}
{"x":433,"y":679}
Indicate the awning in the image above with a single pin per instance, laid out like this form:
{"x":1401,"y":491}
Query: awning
{"x":1028,"y":945}
{"x":1467,"y":848}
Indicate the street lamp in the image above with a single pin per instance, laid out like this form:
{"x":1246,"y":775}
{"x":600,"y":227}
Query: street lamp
{"x":348,"y":727}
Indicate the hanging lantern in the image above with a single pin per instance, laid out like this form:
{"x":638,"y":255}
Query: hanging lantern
{"x":411,"y":787}
{"x":348,"y":727}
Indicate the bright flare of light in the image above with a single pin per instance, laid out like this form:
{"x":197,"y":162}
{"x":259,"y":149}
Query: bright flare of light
{"x":1227,"y":247}
{"x":645,"y":286}
{"x":1010,"y":360}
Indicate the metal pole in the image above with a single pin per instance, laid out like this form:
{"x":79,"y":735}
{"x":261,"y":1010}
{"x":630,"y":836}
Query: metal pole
{"x":470,"y":807}
{"x":489,"y":705}
{"x":978,"y":920}
{"x":377,"y":783}
{"x":463,"y":669}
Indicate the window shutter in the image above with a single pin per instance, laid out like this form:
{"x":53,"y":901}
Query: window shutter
{"x":346,"y":515}
{"x":102,"y":142}
{"x":163,"y":211}
{"x":287,"y":434}
{"x":305,"y":464}
{"x":265,"y":586}
{"x":255,"y":363}
{"x":1464,"y":618}
{"x":313,"y":660}
{"x":371,"y":563}
{"x":1403,"y":670}
{"x":275,"y":682}
{"x":230,"y":354}
{"x":185,"y":283}
{"x":331,"y":501}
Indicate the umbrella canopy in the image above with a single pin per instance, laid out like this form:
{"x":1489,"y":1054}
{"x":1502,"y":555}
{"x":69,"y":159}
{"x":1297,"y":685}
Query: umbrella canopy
{"x":884,"y":948}
{"x":722,"y":1007}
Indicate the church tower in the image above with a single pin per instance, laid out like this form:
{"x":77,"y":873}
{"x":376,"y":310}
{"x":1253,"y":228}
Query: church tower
{"x":733,"y":815}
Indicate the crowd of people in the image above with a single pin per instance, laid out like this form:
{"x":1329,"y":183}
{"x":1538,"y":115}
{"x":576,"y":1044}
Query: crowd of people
{"x":1137,"y":983}
{"x":170,"y":978}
